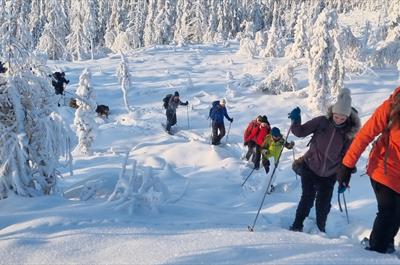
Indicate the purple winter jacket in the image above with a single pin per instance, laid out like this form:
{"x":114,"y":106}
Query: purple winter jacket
{"x":329,"y":142}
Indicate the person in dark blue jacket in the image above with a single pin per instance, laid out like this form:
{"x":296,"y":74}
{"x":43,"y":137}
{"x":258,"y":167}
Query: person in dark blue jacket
{"x":217,"y":113}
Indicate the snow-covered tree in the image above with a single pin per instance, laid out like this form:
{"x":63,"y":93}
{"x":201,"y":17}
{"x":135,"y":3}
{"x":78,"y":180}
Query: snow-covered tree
{"x":124,"y":79}
{"x":247,"y":48}
{"x":280,"y":80}
{"x":52,"y":40}
{"x":276,"y":43}
{"x":301,"y":42}
{"x":322,"y":60}
{"x":33,"y":136}
{"x":84,"y":120}
{"x":149,"y":31}
{"x":163,"y":24}
{"x":37,"y":20}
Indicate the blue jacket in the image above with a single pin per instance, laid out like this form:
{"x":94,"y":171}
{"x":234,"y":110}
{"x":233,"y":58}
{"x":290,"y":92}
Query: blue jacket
{"x":217,"y":113}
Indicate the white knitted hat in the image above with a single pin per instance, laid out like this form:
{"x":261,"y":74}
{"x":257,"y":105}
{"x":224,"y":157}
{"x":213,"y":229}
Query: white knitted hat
{"x":343,"y":103}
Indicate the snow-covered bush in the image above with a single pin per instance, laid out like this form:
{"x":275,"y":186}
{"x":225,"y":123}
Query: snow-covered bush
{"x":247,"y":48}
{"x":139,"y":190}
{"x":299,"y":49}
{"x":280,"y":80}
{"x":84,"y":120}
{"x":388,"y":52}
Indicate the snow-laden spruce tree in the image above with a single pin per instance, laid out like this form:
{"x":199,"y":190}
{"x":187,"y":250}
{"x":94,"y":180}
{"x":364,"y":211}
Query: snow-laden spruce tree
{"x":124,"y":79}
{"x":52,"y":40}
{"x":322,"y":66}
{"x":280,"y":80}
{"x":83,"y":29}
{"x":84,"y":120}
{"x":37,"y":20}
{"x":276,"y":43}
{"x":388,"y":51}
{"x":163,"y":24}
{"x":149,"y":31}
{"x":301,"y":41}
{"x":33,"y":136}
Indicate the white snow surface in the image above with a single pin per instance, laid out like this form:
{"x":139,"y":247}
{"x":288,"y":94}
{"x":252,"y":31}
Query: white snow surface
{"x":202,"y":213}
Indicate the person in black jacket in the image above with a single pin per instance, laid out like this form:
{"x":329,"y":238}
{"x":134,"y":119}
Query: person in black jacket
{"x":58,"y":81}
{"x":173,"y":104}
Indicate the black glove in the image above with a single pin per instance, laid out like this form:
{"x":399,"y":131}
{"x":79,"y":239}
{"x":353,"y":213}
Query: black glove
{"x":67,"y":82}
{"x":186,"y":103}
{"x":294,"y":115}
{"x":231,"y":120}
{"x":290,"y":145}
{"x":343,"y":177}
{"x":245,"y":143}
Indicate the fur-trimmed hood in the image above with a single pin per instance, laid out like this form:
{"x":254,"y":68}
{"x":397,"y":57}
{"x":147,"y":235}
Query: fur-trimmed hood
{"x":353,"y":123}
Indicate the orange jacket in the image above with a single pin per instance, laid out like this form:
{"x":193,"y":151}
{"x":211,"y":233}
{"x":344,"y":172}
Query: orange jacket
{"x":375,"y":125}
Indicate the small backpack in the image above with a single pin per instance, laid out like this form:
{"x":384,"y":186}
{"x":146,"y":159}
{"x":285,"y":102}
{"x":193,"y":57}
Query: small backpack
{"x":166,"y":100}
{"x":213,"y":108}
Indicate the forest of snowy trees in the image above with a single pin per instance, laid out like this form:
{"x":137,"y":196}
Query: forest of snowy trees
{"x":36,"y":30}
{"x":82,"y":29}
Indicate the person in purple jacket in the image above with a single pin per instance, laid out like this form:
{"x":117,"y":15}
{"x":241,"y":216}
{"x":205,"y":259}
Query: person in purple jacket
{"x":331,"y":137}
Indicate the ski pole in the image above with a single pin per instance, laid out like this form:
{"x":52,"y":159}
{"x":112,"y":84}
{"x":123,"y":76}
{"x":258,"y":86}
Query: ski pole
{"x":294,"y":159}
{"x":248,"y":177}
{"x":187,"y":114}
{"x":227,"y":135}
{"x":276,"y":164}
{"x":345,"y":206}
{"x":251,"y":228}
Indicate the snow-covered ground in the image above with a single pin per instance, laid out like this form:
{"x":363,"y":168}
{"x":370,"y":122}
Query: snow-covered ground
{"x":195,"y":210}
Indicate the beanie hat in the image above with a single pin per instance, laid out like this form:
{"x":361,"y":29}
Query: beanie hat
{"x":222,"y":101}
{"x":343,"y":103}
{"x":176,"y":94}
{"x":275,"y":132}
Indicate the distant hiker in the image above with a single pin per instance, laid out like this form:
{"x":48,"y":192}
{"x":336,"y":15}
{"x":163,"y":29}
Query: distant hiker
{"x":2,"y":68}
{"x":173,"y":104}
{"x":217,"y":113}
{"x":272,"y":146}
{"x":58,"y":81}
{"x":254,"y":137}
{"x":383,"y":167}
{"x":332,"y":135}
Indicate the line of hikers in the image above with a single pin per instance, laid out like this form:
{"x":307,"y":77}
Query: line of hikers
{"x":336,"y":144}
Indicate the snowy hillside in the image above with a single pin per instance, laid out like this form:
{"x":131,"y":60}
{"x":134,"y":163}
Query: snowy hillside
{"x":185,"y":204}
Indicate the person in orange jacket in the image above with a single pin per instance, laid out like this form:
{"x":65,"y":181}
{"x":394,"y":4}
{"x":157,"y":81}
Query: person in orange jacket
{"x":383,"y":168}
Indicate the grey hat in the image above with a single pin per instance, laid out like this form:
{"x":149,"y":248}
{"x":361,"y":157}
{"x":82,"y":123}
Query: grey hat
{"x":343,"y":103}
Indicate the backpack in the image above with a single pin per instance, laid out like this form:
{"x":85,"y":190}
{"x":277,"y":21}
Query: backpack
{"x":166,"y":100}
{"x":213,"y":108}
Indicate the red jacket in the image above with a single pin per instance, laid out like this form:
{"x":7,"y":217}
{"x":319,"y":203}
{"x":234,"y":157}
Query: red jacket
{"x":376,"y":162}
{"x":255,"y":132}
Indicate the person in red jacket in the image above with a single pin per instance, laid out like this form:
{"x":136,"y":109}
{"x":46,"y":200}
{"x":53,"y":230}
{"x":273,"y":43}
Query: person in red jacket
{"x":254,"y":137}
{"x":383,"y":168}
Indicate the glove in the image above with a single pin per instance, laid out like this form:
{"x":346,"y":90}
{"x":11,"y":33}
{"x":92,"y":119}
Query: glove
{"x":231,"y":120}
{"x":264,"y":152}
{"x":290,"y":145}
{"x":245,"y":143}
{"x":67,"y":82}
{"x":294,"y":115}
{"x":343,"y":177}
{"x":186,"y":103}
